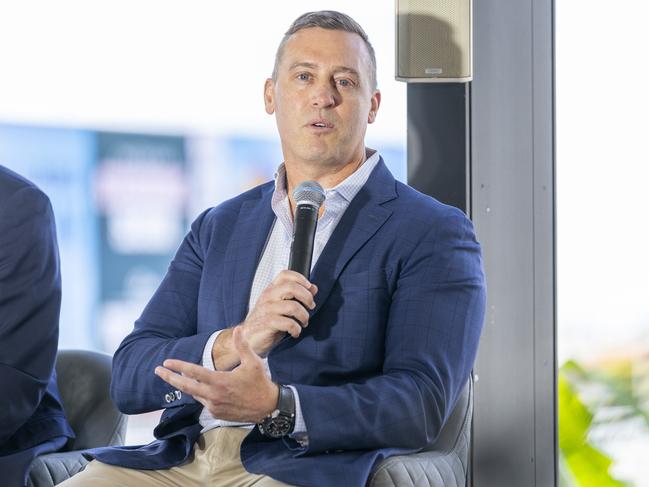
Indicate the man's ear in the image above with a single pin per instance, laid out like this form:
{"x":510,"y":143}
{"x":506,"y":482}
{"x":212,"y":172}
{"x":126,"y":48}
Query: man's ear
{"x":374,"y":106}
{"x":269,"y":96}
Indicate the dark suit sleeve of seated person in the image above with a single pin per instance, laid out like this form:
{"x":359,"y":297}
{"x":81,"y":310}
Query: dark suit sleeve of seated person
{"x":166,"y":329}
{"x":30,"y":297}
{"x":431,"y":339}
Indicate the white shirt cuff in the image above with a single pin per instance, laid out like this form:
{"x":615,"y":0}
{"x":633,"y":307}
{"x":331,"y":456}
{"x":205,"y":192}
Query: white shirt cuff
{"x":299,"y":431}
{"x":208,"y":363}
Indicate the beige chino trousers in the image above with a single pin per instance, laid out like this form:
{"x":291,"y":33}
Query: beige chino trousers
{"x":215,"y":461}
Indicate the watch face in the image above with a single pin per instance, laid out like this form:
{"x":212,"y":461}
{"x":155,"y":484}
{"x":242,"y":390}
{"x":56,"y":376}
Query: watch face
{"x":278,"y":426}
{"x":281,"y":421}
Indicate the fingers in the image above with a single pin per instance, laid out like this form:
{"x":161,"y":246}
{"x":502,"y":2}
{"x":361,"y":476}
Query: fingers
{"x":297,"y":278}
{"x":313,"y":289}
{"x":188,"y":369}
{"x":292,"y":276}
{"x":186,"y":384}
{"x":290,"y":290}
{"x":288,"y":325}
{"x":291,"y":309}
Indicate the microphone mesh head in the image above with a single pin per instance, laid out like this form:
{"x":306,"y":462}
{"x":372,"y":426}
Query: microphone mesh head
{"x":310,"y":193}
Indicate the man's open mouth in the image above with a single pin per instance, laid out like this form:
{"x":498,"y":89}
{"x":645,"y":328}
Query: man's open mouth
{"x":322,"y":124}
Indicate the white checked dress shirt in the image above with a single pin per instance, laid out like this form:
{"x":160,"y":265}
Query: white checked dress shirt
{"x":275,"y":259}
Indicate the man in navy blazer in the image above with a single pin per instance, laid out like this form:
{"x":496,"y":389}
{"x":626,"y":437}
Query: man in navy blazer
{"x":32,"y":421}
{"x":268,"y":378}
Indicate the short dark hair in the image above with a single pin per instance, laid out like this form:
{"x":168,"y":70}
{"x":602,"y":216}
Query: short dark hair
{"x":332,"y":20}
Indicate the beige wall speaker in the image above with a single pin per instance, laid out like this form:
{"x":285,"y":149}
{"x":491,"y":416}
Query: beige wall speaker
{"x":434,"y":41}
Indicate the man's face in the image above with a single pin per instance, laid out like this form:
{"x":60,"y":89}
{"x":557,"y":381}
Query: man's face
{"x":322,"y":97}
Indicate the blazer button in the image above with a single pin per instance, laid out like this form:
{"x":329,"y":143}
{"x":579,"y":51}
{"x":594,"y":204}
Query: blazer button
{"x":178,"y":394}
{"x":168,"y":398}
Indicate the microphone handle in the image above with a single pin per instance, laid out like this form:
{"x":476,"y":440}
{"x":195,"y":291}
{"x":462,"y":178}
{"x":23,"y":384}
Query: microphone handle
{"x":304,"y":226}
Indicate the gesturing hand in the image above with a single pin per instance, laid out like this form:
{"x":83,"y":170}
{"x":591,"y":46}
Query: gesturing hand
{"x":245,"y":394}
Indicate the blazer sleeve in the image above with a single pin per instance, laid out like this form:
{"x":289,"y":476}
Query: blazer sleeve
{"x":30,"y":300}
{"x":432,"y":334}
{"x":166,"y":329}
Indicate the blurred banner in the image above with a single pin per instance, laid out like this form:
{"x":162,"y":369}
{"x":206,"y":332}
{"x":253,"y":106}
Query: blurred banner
{"x":141,"y":197}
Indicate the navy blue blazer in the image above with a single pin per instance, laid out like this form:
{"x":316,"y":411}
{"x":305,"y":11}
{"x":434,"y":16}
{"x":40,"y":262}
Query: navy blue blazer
{"x":389,"y":346}
{"x":31,"y":414}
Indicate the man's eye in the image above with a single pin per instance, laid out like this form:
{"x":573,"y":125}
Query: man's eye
{"x":303,"y":76}
{"x":345,"y":82}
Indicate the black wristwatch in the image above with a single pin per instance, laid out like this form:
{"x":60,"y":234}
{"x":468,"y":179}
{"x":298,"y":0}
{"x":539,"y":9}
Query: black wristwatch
{"x":282,"y":420}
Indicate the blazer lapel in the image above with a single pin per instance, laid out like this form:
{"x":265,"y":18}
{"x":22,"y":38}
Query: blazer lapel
{"x":249,"y":236}
{"x":361,"y":221}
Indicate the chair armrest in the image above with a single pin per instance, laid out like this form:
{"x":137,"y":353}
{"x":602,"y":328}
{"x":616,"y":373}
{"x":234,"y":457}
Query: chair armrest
{"x":426,"y":469}
{"x":444,"y":465}
{"x":54,"y":468}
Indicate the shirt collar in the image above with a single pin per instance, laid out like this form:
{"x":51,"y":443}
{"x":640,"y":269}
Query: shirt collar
{"x":347,"y":188}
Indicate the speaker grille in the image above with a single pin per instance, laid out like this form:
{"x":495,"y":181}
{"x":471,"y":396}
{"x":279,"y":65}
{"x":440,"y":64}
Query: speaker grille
{"x":434,"y":39}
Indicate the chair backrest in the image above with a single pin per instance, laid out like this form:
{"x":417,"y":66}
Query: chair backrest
{"x":83,"y":378}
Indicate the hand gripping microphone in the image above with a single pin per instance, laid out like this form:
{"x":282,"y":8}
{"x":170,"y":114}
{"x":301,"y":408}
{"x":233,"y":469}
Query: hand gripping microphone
{"x":308,"y":196}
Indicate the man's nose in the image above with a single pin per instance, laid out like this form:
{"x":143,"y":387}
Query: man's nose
{"x":324,"y":95}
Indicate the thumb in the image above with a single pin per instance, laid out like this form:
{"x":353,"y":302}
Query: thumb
{"x":242,"y":346}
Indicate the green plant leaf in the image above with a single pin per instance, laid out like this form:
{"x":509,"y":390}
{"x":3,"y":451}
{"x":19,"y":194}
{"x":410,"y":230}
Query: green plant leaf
{"x":588,"y":466}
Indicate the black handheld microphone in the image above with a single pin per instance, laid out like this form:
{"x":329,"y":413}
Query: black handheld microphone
{"x":308,"y":196}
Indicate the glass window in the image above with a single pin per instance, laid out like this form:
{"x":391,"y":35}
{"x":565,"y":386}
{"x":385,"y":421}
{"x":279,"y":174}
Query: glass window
{"x":603,"y":290}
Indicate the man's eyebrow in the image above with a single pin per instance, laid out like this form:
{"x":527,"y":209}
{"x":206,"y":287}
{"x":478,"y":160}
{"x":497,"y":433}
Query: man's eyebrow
{"x":303,"y":64}
{"x":337,"y":69}
{"x":345,"y":69}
